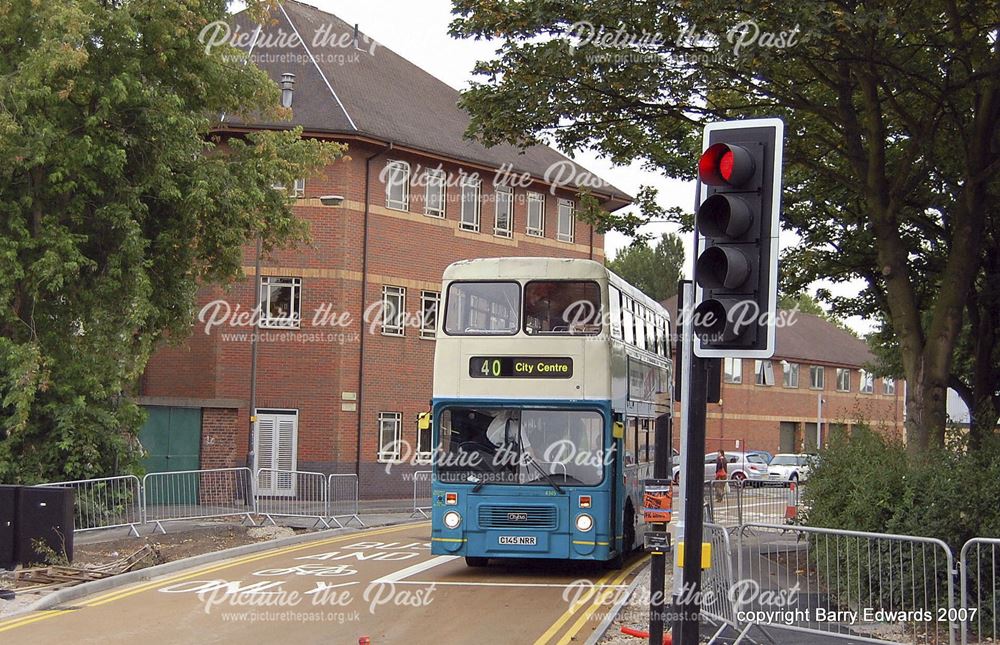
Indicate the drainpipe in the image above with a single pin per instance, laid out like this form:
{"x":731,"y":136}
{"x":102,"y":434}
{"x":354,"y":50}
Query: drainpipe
{"x":364,"y":305}
{"x":251,"y":435}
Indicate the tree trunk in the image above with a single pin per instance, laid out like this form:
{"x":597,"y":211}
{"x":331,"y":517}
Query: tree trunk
{"x":926,"y":410}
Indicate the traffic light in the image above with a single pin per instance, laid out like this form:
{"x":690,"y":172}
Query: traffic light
{"x":736,"y":269}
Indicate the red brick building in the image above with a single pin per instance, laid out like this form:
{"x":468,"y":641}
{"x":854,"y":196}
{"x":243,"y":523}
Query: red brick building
{"x":817,"y":375}
{"x":335,"y":385}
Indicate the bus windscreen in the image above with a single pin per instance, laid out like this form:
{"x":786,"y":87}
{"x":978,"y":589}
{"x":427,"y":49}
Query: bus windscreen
{"x":522,"y":446}
{"x":571,"y":307}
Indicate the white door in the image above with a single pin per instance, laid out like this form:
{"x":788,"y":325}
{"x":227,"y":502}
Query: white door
{"x":277,"y":438}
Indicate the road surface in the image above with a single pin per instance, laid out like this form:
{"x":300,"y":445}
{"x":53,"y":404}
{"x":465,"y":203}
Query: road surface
{"x":380,"y":583}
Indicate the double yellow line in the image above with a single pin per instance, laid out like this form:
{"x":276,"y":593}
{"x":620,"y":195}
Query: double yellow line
{"x":598,"y":596}
{"x":160,"y":582}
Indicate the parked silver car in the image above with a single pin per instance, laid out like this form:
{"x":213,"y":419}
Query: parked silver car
{"x":742,"y":467}
{"x":789,"y":467}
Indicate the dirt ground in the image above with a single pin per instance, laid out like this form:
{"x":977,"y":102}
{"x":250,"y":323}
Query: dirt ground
{"x":165,"y":548}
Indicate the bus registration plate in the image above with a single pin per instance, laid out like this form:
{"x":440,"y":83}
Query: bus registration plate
{"x":518,"y":540}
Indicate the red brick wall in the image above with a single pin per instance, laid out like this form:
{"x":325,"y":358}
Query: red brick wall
{"x":309,"y":369}
{"x":752,"y":414}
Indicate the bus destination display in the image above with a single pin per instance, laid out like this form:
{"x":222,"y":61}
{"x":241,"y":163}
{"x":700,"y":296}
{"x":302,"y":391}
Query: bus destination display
{"x":520,"y":367}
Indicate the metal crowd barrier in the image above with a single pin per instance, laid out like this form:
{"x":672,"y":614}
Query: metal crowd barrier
{"x":733,"y":505}
{"x":422,"y":483}
{"x":342,"y":499}
{"x":979,"y":575}
{"x":198,"y":494}
{"x":292,"y":493}
{"x":864,"y":586}
{"x":718,"y":580}
{"x":105,"y":502}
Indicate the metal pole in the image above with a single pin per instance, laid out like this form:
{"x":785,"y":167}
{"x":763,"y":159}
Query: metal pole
{"x":662,"y":465}
{"x":689,"y":606}
{"x":819,"y":420}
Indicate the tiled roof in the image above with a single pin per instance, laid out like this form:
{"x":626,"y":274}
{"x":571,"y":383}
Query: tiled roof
{"x":372,"y":91}
{"x":809,"y":338}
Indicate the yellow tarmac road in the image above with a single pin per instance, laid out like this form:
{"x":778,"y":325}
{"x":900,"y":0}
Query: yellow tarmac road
{"x":381,"y":583}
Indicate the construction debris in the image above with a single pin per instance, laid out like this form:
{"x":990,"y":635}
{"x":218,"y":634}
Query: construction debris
{"x":56,"y":577}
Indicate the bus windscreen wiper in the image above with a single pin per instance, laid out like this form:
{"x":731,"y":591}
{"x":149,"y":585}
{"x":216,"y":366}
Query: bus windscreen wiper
{"x":544,"y":474}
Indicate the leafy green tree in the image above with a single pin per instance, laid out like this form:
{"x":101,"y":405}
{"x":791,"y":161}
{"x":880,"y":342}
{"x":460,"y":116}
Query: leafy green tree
{"x":116,"y":203}
{"x":892,"y":115}
{"x":653,"y":269}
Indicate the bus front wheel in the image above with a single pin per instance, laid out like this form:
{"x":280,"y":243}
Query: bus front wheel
{"x":628,"y":541}
{"x":472,"y":561}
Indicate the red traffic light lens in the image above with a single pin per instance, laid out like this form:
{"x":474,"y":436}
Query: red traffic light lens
{"x":725,"y":165}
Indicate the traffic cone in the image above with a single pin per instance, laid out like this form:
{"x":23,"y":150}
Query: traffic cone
{"x":364,"y":640}
{"x":791,"y":507}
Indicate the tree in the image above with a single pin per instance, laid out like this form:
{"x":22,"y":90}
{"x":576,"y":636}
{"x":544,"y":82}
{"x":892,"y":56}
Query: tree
{"x":116,"y":204}
{"x":653,"y":269}
{"x":891,"y":115}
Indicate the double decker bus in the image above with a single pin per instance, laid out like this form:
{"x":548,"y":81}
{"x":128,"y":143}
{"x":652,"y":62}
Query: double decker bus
{"x":548,"y":377}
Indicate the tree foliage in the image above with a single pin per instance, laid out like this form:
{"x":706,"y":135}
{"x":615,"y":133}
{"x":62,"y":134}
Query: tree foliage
{"x":892,"y":143}
{"x":655,"y":270}
{"x":116,"y":203}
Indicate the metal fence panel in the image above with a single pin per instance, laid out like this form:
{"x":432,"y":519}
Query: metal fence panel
{"x":342,"y":499}
{"x":422,"y":483}
{"x":105,"y":502}
{"x":979,"y":573}
{"x":293,"y":493}
{"x":717,"y":580}
{"x":197,"y":494}
{"x":873,"y":586}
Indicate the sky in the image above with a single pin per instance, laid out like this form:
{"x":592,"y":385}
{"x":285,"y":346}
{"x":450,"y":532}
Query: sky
{"x":418,"y":31}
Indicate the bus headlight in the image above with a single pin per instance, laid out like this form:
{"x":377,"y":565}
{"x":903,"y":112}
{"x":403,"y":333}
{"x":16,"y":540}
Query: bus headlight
{"x":584,"y":522}
{"x":452,"y":519}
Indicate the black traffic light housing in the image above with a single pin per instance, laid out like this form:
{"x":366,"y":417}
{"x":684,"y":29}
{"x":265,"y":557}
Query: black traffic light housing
{"x":736,"y":268}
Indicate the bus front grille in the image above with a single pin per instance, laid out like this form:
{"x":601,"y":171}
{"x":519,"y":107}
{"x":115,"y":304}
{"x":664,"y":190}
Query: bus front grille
{"x":521,"y":517}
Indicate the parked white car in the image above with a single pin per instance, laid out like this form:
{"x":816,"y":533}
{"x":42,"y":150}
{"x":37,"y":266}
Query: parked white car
{"x":789,"y":467}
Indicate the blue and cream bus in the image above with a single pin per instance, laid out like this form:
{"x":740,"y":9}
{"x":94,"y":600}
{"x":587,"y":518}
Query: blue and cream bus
{"x":548,"y":376}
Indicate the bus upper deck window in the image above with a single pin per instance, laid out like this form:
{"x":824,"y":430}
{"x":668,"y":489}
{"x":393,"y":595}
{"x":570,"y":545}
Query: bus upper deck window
{"x":482,"y":308}
{"x":562,"y":307}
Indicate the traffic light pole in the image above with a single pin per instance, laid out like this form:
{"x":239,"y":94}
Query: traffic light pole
{"x":688,"y":604}
{"x":657,"y":575}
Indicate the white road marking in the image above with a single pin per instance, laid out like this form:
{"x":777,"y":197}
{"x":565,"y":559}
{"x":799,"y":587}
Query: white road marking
{"x":417,"y":568}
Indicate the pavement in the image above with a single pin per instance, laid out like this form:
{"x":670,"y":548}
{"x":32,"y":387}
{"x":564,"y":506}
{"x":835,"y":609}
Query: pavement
{"x":337,"y":587}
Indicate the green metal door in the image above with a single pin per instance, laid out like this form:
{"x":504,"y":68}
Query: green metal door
{"x":172,"y":439}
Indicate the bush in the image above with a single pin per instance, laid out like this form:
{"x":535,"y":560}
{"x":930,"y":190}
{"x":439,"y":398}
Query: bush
{"x":867,"y":482}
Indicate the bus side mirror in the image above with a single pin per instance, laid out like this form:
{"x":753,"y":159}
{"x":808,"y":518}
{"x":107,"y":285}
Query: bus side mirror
{"x":424,"y":421}
{"x":618,"y":430}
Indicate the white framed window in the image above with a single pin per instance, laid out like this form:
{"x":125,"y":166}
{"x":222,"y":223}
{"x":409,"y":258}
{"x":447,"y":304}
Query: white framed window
{"x":430,"y":303}
{"x":390,"y":426}
{"x":434,"y":195}
{"x":504,"y":222}
{"x":393,"y":310}
{"x":732,"y":370}
{"x":790,"y":374}
{"x":424,"y":449}
{"x":469,"y":220}
{"x":763,"y":372}
{"x":567,"y":220}
{"x":843,"y":379}
{"x":536,"y":215}
{"x":888,"y":385}
{"x":280,"y":302}
{"x":275,"y":451}
{"x":816,"y":377}
{"x":867,"y":382}
{"x":397,"y":185}
{"x":298,"y":188}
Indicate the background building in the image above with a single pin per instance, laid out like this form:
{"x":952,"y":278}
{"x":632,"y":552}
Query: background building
{"x":817,"y":376}
{"x":334,"y":394}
